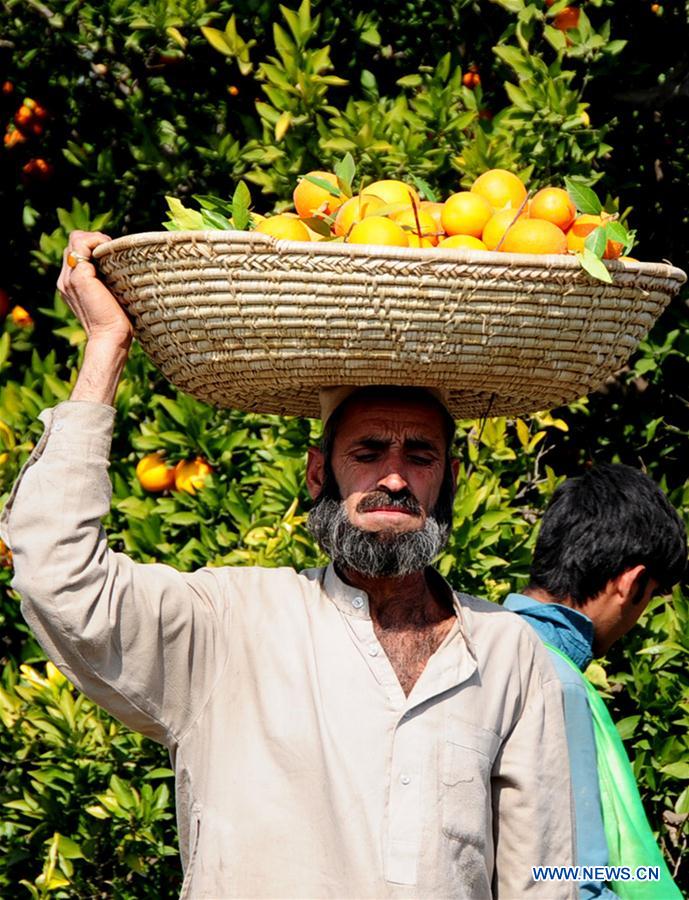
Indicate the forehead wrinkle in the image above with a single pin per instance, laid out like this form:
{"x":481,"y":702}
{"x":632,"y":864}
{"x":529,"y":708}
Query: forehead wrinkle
{"x":412,"y":442}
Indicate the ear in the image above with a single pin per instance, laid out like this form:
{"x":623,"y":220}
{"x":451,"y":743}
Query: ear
{"x":454,"y":467}
{"x":631,"y":584}
{"x":315,"y":472}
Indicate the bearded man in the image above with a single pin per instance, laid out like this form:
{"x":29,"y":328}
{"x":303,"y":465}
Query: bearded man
{"x":354,"y":731}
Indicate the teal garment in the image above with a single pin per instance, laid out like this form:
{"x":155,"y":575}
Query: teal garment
{"x":630,"y":839}
{"x":572,"y":633}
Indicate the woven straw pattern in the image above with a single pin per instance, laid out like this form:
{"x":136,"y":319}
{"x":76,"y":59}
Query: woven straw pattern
{"x":243,"y":321}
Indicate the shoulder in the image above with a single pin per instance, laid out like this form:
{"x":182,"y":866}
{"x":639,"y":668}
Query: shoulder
{"x":498,"y":633}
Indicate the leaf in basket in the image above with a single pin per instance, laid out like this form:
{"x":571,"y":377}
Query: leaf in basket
{"x":424,"y":189}
{"x":318,"y":225}
{"x":583,"y":197}
{"x":594,"y":265}
{"x":217,"y":204}
{"x":181,"y":218}
{"x":345,"y":170}
{"x":241,"y":201}
{"x":616,"y":231}
{"x":597,"y":241}
{"x":326,"y":185}
{"x":216,"y":220}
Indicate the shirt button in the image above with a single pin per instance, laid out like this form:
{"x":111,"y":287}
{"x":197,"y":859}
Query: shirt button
{"x":373,"y":650}
{"x":405,"y":779}
{"x":358,"y":602}
{"x":58,"y":426}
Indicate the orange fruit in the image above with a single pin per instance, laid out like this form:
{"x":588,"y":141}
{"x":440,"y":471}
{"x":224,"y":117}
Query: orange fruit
{"x":284,"y":226}
{"x":582,"y":227}
{"x":191,"y":474}
{"x":434,"y":209}
{"x":354,"y":210}
{"x":21,"y":317}
{"x":407,"y":220}
{"x":554,"y":205}
{"x":415,"y":241}
{"x":534,"y":236}
{"x":497,"y":225}
{"x":466,"y":213}
{"x":500,"y":188}
{"x":154,"y":473}
{"x":391,"y":192}
{"x":463,"y":240}
{"x":567,"y":18}
{"x":378,"y":230}
{"x":310,"y":199}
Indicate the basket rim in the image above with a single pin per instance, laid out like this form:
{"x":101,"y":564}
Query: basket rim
{"x":562,"y":262}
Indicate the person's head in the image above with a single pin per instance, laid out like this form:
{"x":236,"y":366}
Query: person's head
{"x":383,"y":481}
{"x":609,"y":540}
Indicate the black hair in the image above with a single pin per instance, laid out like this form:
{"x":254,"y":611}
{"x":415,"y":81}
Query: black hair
{"x":599,"y":525}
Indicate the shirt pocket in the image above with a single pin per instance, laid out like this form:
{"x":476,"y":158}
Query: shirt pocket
{"x":468,"y":754}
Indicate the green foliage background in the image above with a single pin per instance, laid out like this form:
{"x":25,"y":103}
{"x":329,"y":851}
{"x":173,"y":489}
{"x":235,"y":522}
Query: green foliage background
{"x":156,"y":97}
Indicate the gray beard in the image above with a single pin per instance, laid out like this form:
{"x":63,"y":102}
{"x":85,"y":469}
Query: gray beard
{"x":370,"y":553}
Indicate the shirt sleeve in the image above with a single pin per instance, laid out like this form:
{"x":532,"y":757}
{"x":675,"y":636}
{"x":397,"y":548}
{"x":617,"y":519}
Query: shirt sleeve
{"x":591,"y":844}
{"x":146,"y":642}
{"x":532,"y":807}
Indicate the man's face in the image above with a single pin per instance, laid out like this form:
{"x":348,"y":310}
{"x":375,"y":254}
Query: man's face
{"x":390,"y":470}
{"x":388,"y":461}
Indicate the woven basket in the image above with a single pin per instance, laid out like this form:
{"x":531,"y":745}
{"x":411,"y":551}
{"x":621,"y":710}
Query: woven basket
{"x":244,"y":321}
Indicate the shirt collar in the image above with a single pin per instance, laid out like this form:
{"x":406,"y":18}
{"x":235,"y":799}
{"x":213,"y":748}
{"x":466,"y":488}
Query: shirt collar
{"x":444,"y":670}
{"x":567,"y":629}
{"x":353,"y":601}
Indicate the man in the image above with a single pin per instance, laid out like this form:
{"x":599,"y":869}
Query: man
{"x":354,"y":731}
{"x":609,"y":540}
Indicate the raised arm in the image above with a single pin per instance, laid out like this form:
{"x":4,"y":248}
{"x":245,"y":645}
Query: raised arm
{"x":146,"y":642}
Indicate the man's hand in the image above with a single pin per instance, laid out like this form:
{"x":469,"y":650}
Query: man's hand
{"x":99,"y":313}
{"x":108,"y":330}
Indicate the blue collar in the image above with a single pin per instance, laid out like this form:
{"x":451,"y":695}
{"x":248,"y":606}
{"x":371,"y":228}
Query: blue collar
{"x":563,"y":627}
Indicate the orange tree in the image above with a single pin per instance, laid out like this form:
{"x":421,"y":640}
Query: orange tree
{"x":106,"y":106}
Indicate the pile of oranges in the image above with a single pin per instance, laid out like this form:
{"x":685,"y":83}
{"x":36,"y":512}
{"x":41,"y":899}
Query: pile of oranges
{"x":495,"y":214}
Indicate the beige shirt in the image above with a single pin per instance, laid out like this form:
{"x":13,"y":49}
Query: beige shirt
{"x":302,"y":770}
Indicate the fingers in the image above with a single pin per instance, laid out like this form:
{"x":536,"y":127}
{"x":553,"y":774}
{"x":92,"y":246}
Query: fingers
{"x":76,"y":270}
{"x":96,"y":308}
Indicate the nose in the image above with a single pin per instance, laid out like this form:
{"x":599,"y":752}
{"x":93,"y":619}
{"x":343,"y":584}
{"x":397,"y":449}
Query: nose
{"x":393,"y":481}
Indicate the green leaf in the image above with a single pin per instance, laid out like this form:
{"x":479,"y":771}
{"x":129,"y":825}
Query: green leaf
{"x":424,"y":188}
{"x":410,"y":81}
{"x":184,"y":219}
{"x":215,"y":220}
{"x":217,"y":40}
{"x":594,"y":265}
{"x":676,"y":770}
{"x":583,"y":197}
{"x":326,"y":185}
{"x":617,"y":232}
{"x":241,"y":201}
{"x":596,"y":242}
{"x":345,"y":170}
{"x":68,"y":848}
{"x":627,"y":727}
{"x":318,"y":225}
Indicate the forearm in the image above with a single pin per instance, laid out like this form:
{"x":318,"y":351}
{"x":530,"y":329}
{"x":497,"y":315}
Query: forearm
{"x":100,"y":373}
